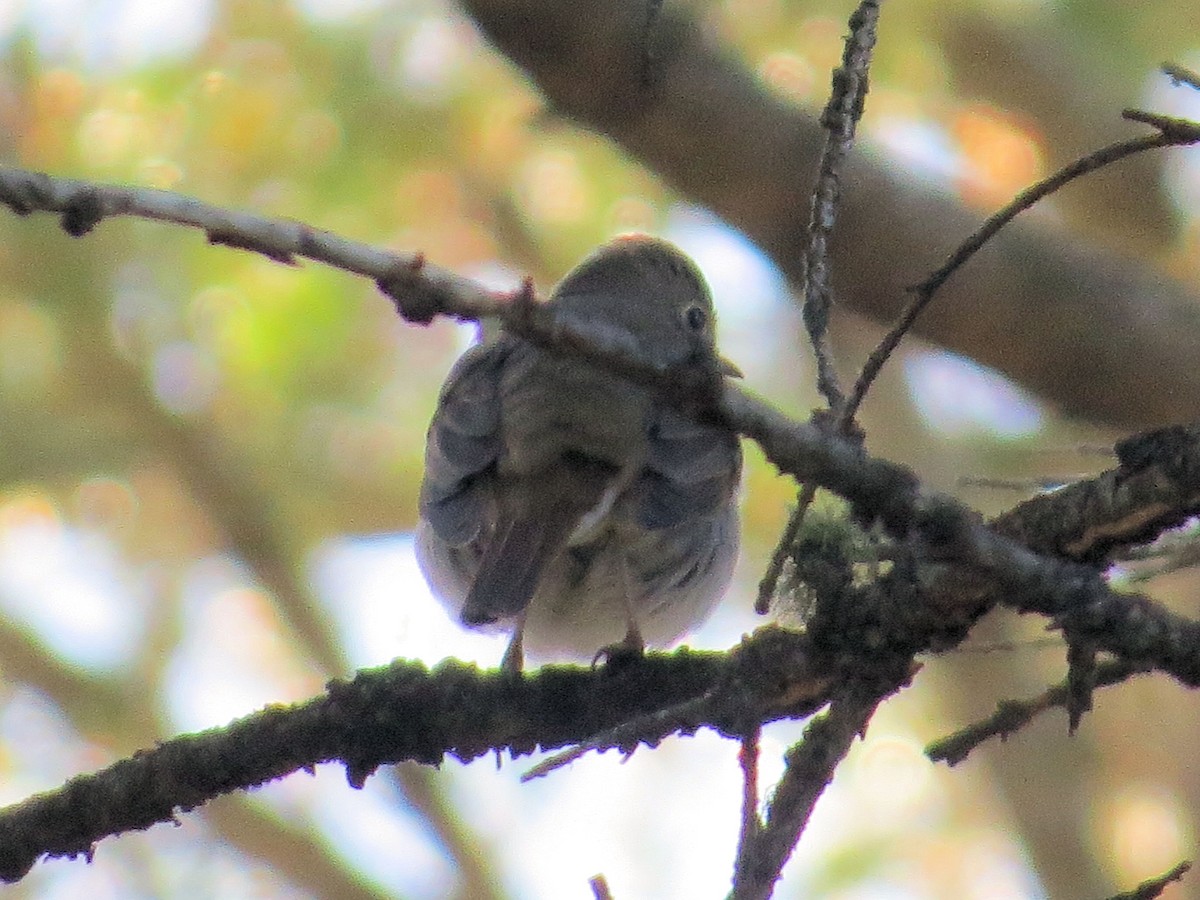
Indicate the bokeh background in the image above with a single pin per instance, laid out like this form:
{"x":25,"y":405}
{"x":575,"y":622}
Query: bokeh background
{"x":209,"y":462}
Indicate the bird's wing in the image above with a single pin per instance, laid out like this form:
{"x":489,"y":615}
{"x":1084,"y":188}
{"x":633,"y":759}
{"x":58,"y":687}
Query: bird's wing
{"x":463,"y":445}
{"x":692,"y":468}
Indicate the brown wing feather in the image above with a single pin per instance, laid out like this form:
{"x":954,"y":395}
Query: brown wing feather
{"x":536,"y":517}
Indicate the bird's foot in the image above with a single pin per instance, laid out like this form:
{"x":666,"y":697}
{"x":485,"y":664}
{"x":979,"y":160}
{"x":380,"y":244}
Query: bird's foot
{"x":619,"y":656}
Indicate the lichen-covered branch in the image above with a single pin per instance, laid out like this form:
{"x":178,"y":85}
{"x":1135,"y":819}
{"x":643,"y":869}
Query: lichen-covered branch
{"x":406,"y":712}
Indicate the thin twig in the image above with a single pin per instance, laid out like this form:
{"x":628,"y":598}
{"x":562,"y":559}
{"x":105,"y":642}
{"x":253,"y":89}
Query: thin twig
{"x":769,"y":583}
{"x":84,"y":204}
{"x":752,"y":823}
{"x":1153,"y":887}
{"x":1024,"y":485}
{"x":1174,"y":559}
{"x":810,"y":767}
{"x":1180,"y":75}
{"x":1172,"y":132}
{"x":626,"y":734}
{"x":840,"y":121}
{"x":1012,"y":715}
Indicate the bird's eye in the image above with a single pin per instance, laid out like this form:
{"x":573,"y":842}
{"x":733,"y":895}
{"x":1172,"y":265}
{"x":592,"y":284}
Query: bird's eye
{"x":696,"y":317}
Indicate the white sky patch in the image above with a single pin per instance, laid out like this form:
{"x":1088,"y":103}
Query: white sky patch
{"x":233,"y":658}
{"x":956,"y":396}
{"x":112,"y":34}
{"x":922,"y":148}
{"x":384,"y":609}
{"x":11,"y":14}
{"x":371,"y":828}
{"x":1181,"y":165}
{"x":374,"y":833}
{"x":433,"y":57}
{"x":745,"y":284}
{"x":41,"y":748}
{"x":661,"y":824}
{"x":68,"y":586}
{"x":329,"y":12}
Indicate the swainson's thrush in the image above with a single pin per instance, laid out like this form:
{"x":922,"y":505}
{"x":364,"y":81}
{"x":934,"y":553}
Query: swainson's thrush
{"x":565,"y":503}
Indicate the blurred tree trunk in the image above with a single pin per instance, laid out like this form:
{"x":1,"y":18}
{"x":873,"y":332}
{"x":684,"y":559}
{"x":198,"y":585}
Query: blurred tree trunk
{"x":1046,"y":74}
{"x":1100,"y":336}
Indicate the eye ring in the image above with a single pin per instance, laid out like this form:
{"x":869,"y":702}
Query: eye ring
{"x":696,"y":317}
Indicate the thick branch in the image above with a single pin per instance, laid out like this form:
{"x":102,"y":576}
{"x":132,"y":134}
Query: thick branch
{"x":405,"y":712}
{"x":1155,"y":488}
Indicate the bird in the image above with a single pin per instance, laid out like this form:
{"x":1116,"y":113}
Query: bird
{"x":567,"y":505}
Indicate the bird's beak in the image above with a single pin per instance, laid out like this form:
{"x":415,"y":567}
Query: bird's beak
{"x":725,"y":367}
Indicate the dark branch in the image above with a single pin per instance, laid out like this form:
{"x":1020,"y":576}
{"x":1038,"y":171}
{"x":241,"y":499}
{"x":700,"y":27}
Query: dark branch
{"x":935,"y":527}
{"x":1012,"y":715}
{"x":1171,"y":133}
{"x":839,"y":121}
{"x":405,"y":712}
{"x":1154,"y":489}
{"x":810,"y":767}
{"x":878,"y":490}
{"x":1153,"y":887}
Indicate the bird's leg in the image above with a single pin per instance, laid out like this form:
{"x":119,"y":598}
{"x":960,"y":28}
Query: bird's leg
{"x":632,"y":642}
{"x":514,"y":656}
{"x":631,"y":647}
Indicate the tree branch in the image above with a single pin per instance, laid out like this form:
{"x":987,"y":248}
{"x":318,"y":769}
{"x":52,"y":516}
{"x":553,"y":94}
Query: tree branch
{"x":1153,"y":887}
{"x":1152,"y":490}
{"x":810,"y":767}
{"x":1012,"y":715}
{"x":840,"y":120}
{"x":405,"y":712}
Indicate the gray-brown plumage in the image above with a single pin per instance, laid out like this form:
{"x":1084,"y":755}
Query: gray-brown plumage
{"x":567,"y":504}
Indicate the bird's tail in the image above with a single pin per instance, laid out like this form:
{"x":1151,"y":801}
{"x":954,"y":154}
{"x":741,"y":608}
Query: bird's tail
{"x":534,"y":522}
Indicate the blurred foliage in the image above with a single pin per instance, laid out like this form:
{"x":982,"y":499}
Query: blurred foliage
{"x":184,"y":402}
